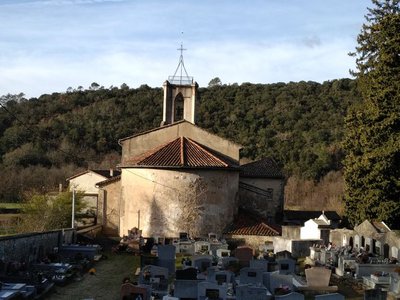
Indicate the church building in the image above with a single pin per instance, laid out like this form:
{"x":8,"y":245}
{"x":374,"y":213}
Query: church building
{"x":181,"y":178}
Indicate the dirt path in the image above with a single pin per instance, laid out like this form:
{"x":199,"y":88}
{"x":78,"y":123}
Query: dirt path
{"x":104,"y":285}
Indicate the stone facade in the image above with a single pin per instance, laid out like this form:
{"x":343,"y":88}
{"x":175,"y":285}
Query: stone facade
{"x":165,"y":202}
{"x":179,"y":97}
{"x":141,"y":143}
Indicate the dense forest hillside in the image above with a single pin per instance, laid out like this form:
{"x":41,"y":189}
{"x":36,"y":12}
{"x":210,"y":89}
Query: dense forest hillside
{"x":44,"y":140}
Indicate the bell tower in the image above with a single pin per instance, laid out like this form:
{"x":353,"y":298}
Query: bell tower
{"x":180,"y":91}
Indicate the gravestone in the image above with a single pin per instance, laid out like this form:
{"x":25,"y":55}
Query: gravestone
{"x":248,"y":292}
{"x":259,"y":264}
{"x":283,"y":254}
{"x":202,"y":262}
{"x":281,"y":282}
{"x":286,"y":265}
{"x":186,"y":248}
{"x":394,"y":283}
{"x":228,"y":261}
{"x":251,"y":276}
{"x":290,"y":296}
{"x":334,"y":296}
{"x":215,"y":246}
{"x":156,"y":277}
{"x":375,"y":294}
{"x":244,"y":255}
{"x":131,"y":291}
{"x":169,"y":298}
{"x":211,"y":291}
{"x":186,"y":288}
{"x":166,"y":257}
{"x":202,"y":247}
{"x":186,"y":274}
{"x":220,"y":253}
{"x":220,"y":277}
{"x":318,"y":276}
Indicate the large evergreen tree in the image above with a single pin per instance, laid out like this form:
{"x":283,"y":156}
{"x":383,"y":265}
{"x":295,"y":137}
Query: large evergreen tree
{"x":372,"y":134}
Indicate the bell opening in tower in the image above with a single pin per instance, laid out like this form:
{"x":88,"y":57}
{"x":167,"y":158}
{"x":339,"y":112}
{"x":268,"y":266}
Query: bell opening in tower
{"x":179,"y":106}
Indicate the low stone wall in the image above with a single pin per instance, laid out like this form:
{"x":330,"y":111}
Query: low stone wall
{"x":368,"y":269}
{"x":32,"y":247}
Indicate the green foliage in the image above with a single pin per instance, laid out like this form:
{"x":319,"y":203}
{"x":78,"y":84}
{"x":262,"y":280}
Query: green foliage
{"x":372,"y":140}
{"x":46,"y":212}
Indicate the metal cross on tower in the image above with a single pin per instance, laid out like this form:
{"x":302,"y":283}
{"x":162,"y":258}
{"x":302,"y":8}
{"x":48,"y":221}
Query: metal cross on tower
{"x":181,"y":78}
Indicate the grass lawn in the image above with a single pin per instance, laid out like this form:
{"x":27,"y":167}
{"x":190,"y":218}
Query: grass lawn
{"x":105,"y":284}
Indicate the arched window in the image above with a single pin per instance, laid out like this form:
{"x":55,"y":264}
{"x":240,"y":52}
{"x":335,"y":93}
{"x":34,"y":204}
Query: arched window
{"x":178,"y":106}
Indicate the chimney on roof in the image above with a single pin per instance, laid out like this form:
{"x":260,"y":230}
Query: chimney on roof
{"x":111,"y":173}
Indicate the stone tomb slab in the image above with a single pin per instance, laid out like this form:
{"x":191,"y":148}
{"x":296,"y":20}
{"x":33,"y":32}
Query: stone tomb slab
{"x":333,"y":296}
{"x":201,"y":263}
{"x":249,"y":292}
{"x":186,"y":274}
{"x":286,"y":265}
{"x":220,"y":277}
{"x":244,"y":255}
{"x":318,"y":277}
{"x":251,"y":276}
{"x":394,"y":283}
{"x":280,"y":281}
{"x":209,"y":290}
{"x":259,"y":264}
{"x":186,"y":288}
{"x":290,"y":296}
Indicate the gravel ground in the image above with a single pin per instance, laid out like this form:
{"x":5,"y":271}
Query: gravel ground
{"x":105,"y":284}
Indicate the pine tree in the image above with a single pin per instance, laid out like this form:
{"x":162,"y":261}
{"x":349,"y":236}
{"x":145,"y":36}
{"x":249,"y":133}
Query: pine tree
{"x":372,"y":133}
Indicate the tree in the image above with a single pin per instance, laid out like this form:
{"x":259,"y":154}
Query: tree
{"x":372,"y":128}
{"x":43,"y":212}
{"x":215,"y":82}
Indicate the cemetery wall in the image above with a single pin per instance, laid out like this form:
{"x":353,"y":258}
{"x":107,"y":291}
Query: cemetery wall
{"x":165,"y":202}
{"x":109,"y":207}
{"x":32,"y":247}
{"x":269,"y":205}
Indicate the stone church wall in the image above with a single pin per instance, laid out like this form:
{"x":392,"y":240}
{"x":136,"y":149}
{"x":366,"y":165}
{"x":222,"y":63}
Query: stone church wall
{"x":140,"y":144}
{"x":270,"y":206}
{"x":165,"y":202}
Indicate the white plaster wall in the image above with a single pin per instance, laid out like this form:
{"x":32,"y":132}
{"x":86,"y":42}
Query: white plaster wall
{"x":163,"y":196}
{"x":86,"y":183}
{"x":310,"y":231}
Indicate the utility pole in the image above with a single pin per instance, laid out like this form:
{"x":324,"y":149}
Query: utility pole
{"x":73,"y":209}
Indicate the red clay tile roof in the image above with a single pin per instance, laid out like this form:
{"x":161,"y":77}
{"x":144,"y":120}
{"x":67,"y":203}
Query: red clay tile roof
{"x":181,"y":152}
{"x":109,"y":180}
{"x":247,"y":223}
{"x":265,"y":168}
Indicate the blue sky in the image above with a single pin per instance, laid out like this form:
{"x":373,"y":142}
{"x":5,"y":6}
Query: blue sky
{"x":49,"y":45}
